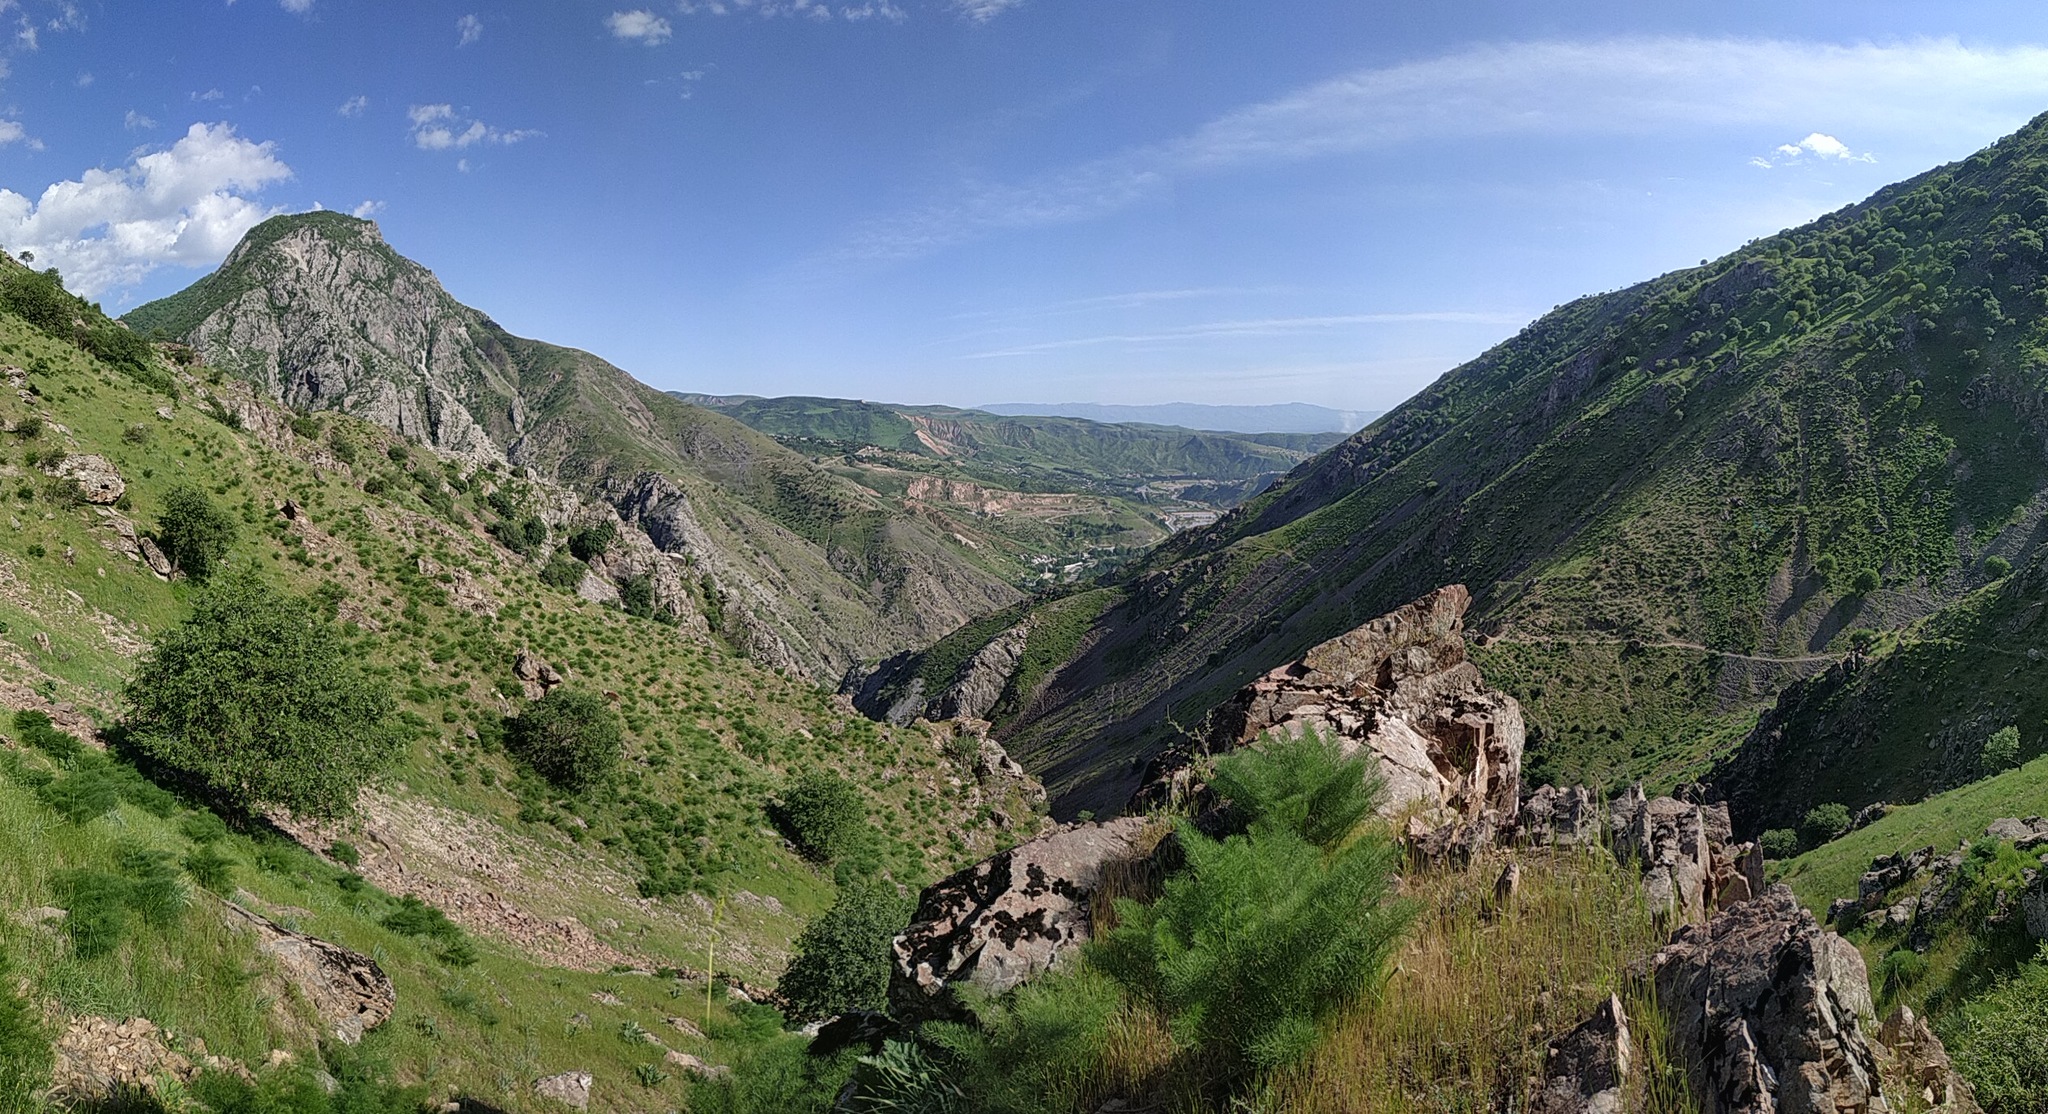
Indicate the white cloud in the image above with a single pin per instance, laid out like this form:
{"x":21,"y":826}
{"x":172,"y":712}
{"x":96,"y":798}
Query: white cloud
{"x":462,"y":165}
{"x":296,"y":7}
{"x":468,"y":29}
{"x":11,"y":131}
{"x":1646,"y":89}
{"x":808,"y":9}
{"x":367,"y":209}
{"x":185,"y":205}
{"x":354,"y":106}
{"x":981,"y":11}
{"x":209,"y":95}
{"x":84,"y":80}
{"x":438,"y":127}
{"x":875,"y":9}
{"x":1820,"y":146}
{"x":136,"y":121}
{"x":639,"y":26}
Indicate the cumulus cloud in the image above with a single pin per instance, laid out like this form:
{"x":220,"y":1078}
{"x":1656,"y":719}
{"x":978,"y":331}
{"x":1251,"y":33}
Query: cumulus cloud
{"x":296,"y":7}
{"x":354,"y":106}
{"x":136,"y":121}
{"x":639,"y":26}
{"x":468,"y":29}
{"x":367,"y":209}
{"x":1630,"y":88}
{"x":438,"y":127}
{"x":185,"y":205}
{"x":11,"y":131}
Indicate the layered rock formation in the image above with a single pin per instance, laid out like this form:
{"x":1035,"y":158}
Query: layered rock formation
{"x":348,"y":990}
{"x":1690,"y":860}
{"x":1401,"y":689}
{"x":1585,"y":1070}
{"x":1767,"y":1010}
{"x":1005,"y":919}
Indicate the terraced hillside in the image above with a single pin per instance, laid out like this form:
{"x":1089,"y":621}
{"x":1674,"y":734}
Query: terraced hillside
{"x":1680,"y":496}
{"x":452,"y":578}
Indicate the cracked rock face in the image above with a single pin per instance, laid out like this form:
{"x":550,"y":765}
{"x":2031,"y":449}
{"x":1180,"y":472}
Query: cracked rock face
{"x":1005,"y":919}
{"x":1401,"y":689}
{"x":1764,"y":1008}
{"x":94,"y":477}
{"x":1691,"y":863}
{"x":348,"y":990}
{"x":1585,"y":1070}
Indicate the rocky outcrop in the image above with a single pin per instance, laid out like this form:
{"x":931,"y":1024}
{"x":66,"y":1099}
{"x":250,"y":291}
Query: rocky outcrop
{"x":1570,"y":816}
{"x":534,"y":674}
{"x":1401,"y":689}
{"x":1767,"y":1012}
{"x":1585,"y":1070}
{"x":2034,"y":905}
{"x":980,"y":683}
{"x":2027,"y":834}
{"x":570,"y":1088}
{"x":349,"y":992}
{"x":1005,"y":919}
{"x":99,"y":1059}
{"x":1913,"y":1060}
{"x":893,"y":691}
{"x":1690,"y":861}
{"x":92,"y":476}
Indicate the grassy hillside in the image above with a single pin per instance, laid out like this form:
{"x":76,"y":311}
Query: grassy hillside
{"x":322,"y":315}
{"x":1730,"y":467}
{"x":672,"y":864}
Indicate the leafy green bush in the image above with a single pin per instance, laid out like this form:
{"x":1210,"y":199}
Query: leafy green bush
{"x":570,"y":737}
{"x":194,"y":533}
{"x":1866,"y":582}
{"x":2001,"y":751}
{"x":35,"y":729}
{"x":822,"y":813}
{"x":1996,"y":567}
{"x":593,"y":541}
{"x":25,"y":1056}
{"x":842,"y":958}
{"x":1265,"y":935}
{"x":414,"y":917}
{"x":1824,"y":822}
{"x":523,"y":536}
{"x":636,"y":597}
{"x":1996,"y":1043}
{"x":1779,"y":843}
{"x":39,"y":298}
{"x":260,"y":701}
{"x":562,"y":571}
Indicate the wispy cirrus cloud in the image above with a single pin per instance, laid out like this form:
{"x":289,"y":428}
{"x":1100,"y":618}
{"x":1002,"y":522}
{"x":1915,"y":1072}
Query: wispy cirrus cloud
{"x":981,"y":11}
{"x":1257,"y":327}
{"x":468,"y":29}
{"x":1637,"y":88}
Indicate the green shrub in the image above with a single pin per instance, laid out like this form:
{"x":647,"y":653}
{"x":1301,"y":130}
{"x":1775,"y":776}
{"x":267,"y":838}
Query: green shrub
{"x":1996,"y":1043}
{"x":523,"y":536}
{"x":1028,"y":1051}
{"x":88,"y":792}
{"x":1779,"y":843}
{"x":305,"y":426}
{"x":822,"y":813}
{"x":570,"y":737}
{"x":99,"y":904}
{"x":202,"y":827}
{"x":345,"y":854}
{"x":593,"y":541}
{"x":194,"y":533}
{"x":35,"y":729}
{"x":562,"y":571}
{"x":2001,"y":751}
{"x":1265,"y":935}
{"x":25,"y":1056}
{"x":1898,"y":970}
{"x":1996,"y":567}
{"x":212,"y":868}
{"x":842,"y":958}
{"x":414,"y":917}
{"x":39,"y":298}
{"x":259,"y":700}
{"x":1824,"y":822}
{"x":1866,"y":582}
{"x":636,"y":597}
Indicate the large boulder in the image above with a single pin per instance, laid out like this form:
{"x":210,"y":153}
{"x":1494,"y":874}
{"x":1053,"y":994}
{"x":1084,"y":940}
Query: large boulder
{"x":92,"y":475}
{"x":1401,"y":689}
{"x":1767,"y":1012}
{"x":1568,"y":816}
{"x":1585,"y":1071}
{"x":1005,"y":919}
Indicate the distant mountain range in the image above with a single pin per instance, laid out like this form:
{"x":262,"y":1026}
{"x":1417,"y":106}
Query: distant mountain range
{"x":1284,"y":417}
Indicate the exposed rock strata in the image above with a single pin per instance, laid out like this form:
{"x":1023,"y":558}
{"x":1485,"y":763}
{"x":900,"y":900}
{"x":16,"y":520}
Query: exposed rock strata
{"x":1766,"y":1009}
{"x":349,"y":992}
{"x":1691,"y":863}
{"x":1585,"y":1070}
{"x":1005,"y":919}
{"x":1401,"y":689}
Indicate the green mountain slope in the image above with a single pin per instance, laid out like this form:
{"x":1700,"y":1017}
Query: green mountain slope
{"x":570,"y":901}
{"x":1697,"y":485}
{"x":814,"y":572}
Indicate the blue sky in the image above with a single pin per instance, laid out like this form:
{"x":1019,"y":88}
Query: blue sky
{"x":970,"y":201}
